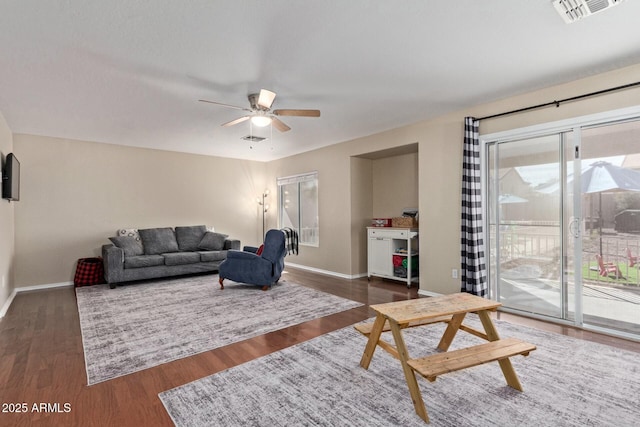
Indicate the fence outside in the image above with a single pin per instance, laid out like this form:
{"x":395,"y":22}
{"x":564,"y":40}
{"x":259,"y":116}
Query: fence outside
{"x":540,"y":244}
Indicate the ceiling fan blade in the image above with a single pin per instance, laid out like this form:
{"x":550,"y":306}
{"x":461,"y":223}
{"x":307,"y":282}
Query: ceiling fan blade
{"x":279,"y":124}
{"x":266,"y":98}
{"x":224,"y":105}
{"x":299,"y":113}
{"x":236,"y":121}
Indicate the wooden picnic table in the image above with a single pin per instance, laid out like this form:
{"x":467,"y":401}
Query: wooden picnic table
{"x":451,"y":309}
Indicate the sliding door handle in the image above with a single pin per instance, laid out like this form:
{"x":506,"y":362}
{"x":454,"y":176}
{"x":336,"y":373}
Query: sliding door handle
{"x":574,"y":227}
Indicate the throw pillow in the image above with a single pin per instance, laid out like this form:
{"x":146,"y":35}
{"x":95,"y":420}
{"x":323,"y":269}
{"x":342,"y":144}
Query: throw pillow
{"x":158,"y":240}
{"x":128,"y":244}
{"x":260,"y":249}
{"x":131,"y":232}
{"x":189,"y":237}
{"x":212,"y":241}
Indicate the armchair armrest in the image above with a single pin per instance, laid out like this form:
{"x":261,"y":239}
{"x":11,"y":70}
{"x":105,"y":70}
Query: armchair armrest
{"x":242,"y":255}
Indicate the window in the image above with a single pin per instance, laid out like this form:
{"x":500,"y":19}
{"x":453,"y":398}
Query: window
{"x":298,"y":206}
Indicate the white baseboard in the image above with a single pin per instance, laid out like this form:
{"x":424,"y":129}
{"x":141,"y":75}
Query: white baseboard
{"x":428,"y":293}
{"x":7,"y":304}
{"x":327,"y":272}
{"x":41,"y":287}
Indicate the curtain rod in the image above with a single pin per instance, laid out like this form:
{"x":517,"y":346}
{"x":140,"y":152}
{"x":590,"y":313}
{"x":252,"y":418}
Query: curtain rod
{"x":557,"y":103}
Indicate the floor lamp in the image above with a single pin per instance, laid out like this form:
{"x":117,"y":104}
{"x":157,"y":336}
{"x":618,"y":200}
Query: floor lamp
{"x":264,"y":208}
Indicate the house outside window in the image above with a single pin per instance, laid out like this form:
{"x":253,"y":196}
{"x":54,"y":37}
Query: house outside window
{"x":298,"y":206}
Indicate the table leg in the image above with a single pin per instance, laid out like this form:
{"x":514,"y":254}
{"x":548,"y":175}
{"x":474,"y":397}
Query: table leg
{"x":374,"y":337}
{"x":450,"y":332}
{"x":488,"y":326}
{"x":410,"y":376}
{"x":505,"y":364}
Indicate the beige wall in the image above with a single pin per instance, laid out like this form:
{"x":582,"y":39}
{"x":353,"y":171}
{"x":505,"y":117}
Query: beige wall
{"x":362,"y":196}
{"x":395,"y":185}
{"x":7,"y":245}
{"x":334,"y":203}
{"x":75,"y":194}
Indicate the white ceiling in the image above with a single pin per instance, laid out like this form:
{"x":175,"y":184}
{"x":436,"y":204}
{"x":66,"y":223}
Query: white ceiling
{"x":131,"y":71}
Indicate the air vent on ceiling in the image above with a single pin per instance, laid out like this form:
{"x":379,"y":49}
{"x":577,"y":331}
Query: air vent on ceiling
{"x":253,"y":138}
{"x":573,"y":10}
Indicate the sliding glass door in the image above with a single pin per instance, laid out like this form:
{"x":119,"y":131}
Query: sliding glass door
{"x":563,"y":221}
{"x":526,"y":225}
{"x":610,"y":189}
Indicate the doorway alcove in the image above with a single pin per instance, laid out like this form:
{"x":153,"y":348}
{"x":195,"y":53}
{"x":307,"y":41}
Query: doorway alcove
{"x":383,"y":183}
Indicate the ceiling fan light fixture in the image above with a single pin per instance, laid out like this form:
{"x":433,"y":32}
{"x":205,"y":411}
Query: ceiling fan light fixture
{"x":261,"y":121}
{"x":261,"y":115}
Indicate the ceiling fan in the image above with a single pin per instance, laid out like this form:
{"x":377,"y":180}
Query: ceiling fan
{"x":261,"y":113}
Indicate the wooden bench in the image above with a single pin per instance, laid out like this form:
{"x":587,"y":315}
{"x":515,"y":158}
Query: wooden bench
{"x":437,"y":364}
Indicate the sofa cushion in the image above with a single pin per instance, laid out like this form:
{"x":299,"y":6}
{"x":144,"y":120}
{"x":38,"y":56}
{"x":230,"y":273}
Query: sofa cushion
{"x":179,"y":258}
{"x":129,"y":245}
{"x":212,"y":241}
{"x":189,"y":237}
{"x":143,"y":261}
{"x":158,"y":240}
{"x":208,"y":256}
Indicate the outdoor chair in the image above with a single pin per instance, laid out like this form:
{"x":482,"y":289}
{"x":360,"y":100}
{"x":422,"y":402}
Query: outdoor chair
{"x":608,"y":268}
{"x":256,"y":266}
{"x":633,"y":260}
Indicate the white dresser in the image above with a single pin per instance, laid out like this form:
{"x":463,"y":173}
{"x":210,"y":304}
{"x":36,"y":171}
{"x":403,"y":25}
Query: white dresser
{"x":392,"y":253}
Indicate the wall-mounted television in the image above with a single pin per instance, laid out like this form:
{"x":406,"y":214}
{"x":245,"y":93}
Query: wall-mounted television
{"x":11,"y":178}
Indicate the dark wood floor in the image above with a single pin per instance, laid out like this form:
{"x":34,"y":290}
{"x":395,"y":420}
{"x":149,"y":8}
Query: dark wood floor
{"x":42,"y":361}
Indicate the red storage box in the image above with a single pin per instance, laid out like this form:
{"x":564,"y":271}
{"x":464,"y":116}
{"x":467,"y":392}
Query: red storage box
{"x":381,"y":222}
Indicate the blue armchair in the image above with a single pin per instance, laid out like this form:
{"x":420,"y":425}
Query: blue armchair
{"x":248,"y":267}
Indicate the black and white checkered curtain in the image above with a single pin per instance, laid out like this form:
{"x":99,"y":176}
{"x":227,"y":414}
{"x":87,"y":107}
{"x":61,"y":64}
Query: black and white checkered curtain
{"x":474,"y":268}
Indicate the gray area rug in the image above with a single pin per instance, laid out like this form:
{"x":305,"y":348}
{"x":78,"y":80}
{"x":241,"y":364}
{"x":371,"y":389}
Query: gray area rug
{"x":139,"y":326}
{"x":567,"y":382}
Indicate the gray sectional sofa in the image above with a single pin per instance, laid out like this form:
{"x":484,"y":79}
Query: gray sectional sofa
{"x":162,"y":252}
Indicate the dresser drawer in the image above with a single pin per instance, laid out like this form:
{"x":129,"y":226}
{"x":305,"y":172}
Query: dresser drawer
{"x":388,"y":234}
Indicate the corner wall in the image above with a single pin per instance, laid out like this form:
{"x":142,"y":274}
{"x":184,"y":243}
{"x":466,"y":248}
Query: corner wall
{"x":7,"y":228}
{"x":75,"y":194}
{"x":362,"y":196}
